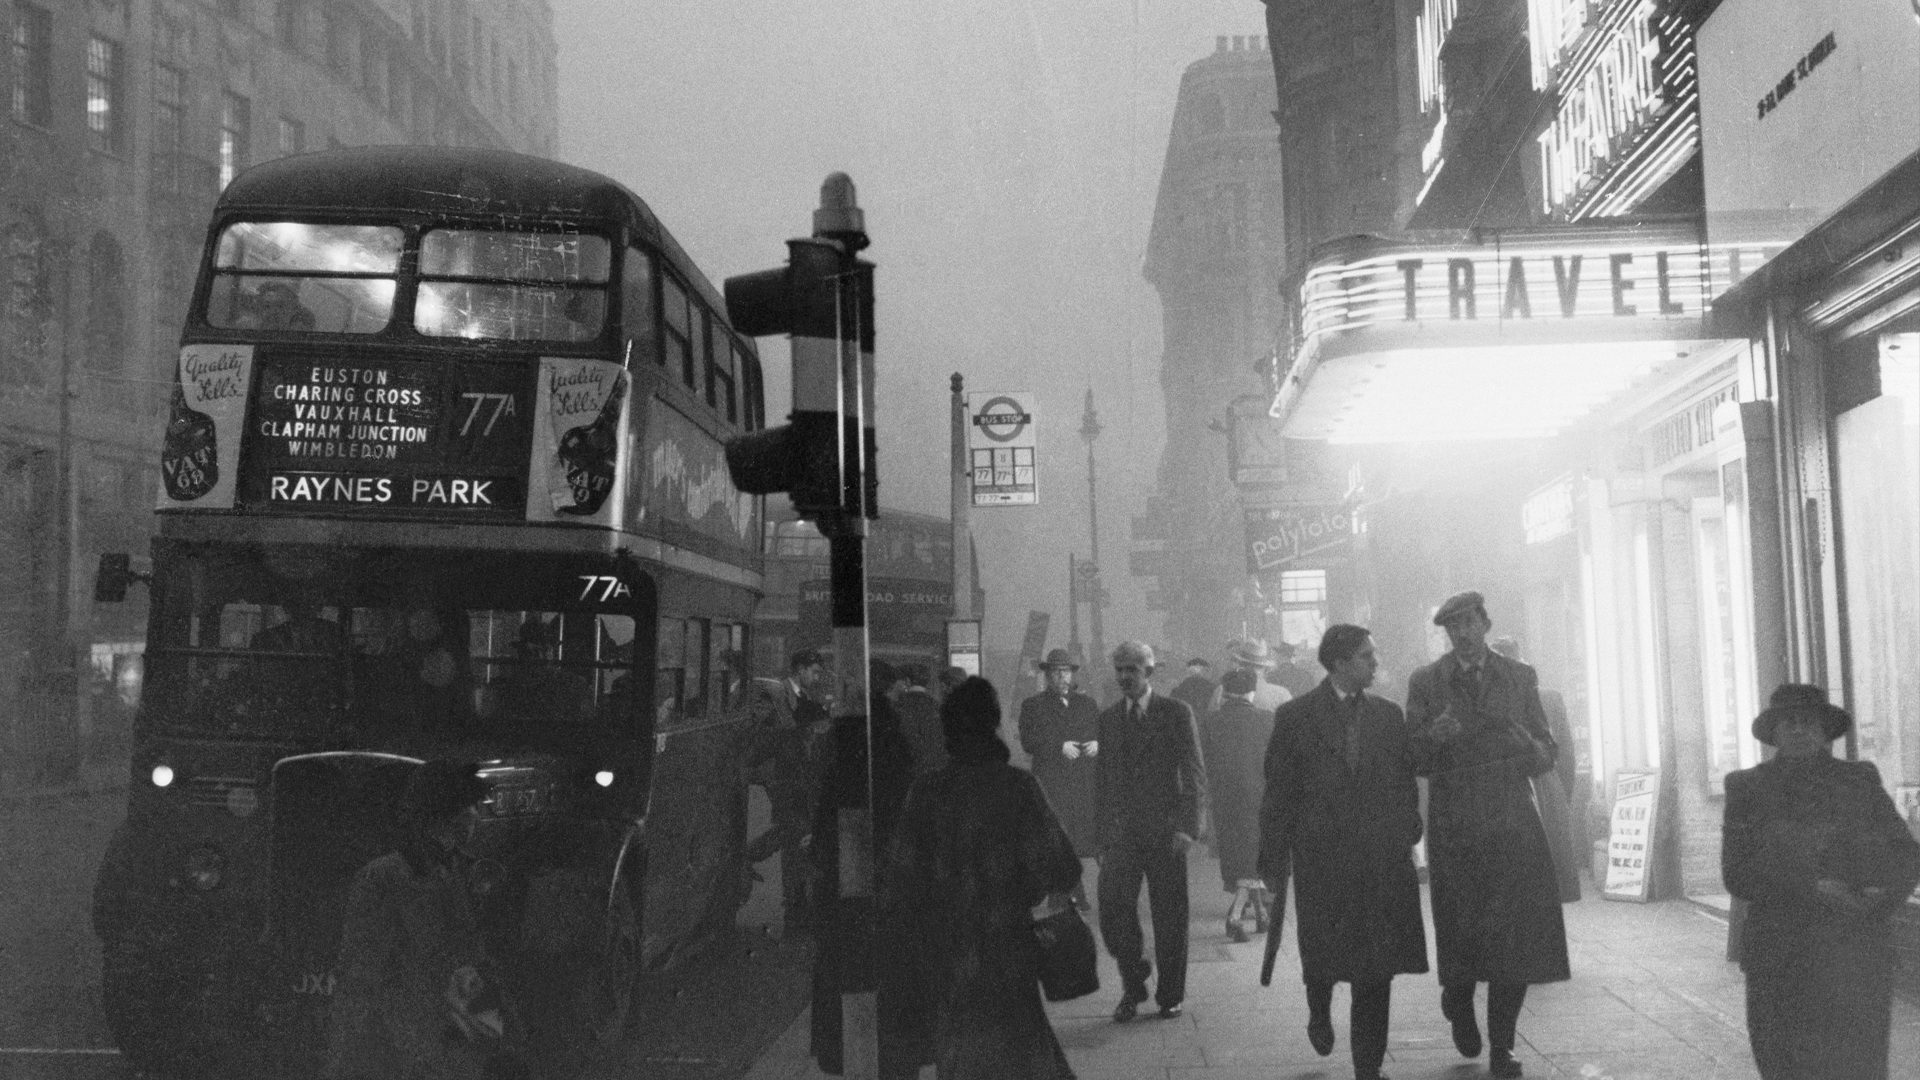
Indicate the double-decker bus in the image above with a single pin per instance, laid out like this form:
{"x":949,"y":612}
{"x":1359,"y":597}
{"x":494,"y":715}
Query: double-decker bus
{"x":909,"y":590}
{"x":443,"y":477}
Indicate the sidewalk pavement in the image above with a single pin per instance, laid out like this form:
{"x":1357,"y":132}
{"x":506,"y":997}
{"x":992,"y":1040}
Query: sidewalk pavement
{"x":1652,"y":998}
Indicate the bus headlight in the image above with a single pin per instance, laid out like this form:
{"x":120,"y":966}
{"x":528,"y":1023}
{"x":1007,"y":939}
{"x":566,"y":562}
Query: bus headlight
{"x":162,"y":775}
{"x":604,"y":778}
{"x":206,"y":868}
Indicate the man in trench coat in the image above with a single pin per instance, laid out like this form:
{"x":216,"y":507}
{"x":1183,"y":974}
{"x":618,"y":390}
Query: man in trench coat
{"x":1479,"y":732}
{"x":1342,"y":812}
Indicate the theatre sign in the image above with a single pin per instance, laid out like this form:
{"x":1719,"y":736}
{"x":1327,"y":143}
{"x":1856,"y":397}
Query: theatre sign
{"x":1502,"y":333}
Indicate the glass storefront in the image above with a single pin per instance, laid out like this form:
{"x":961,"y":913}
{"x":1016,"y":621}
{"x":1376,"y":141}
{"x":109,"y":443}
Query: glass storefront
{"x":1878,"y":458}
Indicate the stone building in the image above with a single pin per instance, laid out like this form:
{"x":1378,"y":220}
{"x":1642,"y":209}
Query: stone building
{"x":125,"y":119}
{"x":1215,"y":257}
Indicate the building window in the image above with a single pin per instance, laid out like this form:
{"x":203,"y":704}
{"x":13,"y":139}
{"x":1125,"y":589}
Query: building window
{"x":32,"y":64}
{"x":106,"y":305}
{"x":236,"y":121}
{"x":293,"y":136}
{"x":29,"y":303}
{"x":106,"y":102}
{"x":169,"y":123}
{"x":286,"y":23}
{"x":1303,"y":586}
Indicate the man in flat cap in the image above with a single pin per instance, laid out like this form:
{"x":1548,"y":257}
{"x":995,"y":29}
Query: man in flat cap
{"x":1058,"y":730}
{"x":1479,"y":733}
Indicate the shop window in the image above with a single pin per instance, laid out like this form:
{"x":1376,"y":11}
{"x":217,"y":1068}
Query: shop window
{"x":1303,"y":586}
{"x":1877,"y":446}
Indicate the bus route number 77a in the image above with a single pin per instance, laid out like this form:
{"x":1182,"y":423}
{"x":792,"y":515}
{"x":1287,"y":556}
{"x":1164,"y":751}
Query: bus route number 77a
{"x":502,"y":406}
{"x":602,"y":588}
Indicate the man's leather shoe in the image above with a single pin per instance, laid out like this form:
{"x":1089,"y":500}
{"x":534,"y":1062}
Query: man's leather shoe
{"x":1502,"y":1064}
{"x":1466,"y":1035}
{"x":1235,"y":931}
{"x":1128,"y":1008}
{"x":1320,"y":1034}
{"x":1171,"y":1012}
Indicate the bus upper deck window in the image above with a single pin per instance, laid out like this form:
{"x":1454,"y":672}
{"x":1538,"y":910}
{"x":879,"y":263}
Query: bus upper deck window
{"x":515,"y":286}
{"x":291,"y":276}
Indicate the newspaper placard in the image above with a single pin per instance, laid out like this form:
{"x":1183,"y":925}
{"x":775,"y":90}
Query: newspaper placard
{"x":1636,"y":806}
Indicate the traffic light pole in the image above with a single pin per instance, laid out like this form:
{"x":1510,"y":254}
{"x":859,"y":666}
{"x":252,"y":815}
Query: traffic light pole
{"x":839,"y":219}
{"x":824,"y":460}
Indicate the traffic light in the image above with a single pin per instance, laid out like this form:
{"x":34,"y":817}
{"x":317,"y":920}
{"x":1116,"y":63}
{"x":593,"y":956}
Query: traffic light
{"x":802,"y":300}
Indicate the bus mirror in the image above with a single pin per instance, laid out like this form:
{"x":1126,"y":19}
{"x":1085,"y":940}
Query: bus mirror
{"x":115,"y":574}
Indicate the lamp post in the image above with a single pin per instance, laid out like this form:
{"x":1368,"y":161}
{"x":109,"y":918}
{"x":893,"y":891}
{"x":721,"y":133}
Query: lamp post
{"x":1090,"y":430}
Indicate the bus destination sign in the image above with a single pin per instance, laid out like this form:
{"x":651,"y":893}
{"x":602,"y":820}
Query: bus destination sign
{"x":414,"y":436}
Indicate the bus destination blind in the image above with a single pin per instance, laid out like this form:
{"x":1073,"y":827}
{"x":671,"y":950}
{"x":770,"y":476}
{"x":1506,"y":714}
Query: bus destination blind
{"x":388,"y":435}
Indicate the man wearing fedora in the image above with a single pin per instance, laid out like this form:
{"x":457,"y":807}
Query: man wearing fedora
{"x":1823,"y":859}
{"x":1479,"y":733}
{"x":1255,"y":656}
{"x":1059,"y":731}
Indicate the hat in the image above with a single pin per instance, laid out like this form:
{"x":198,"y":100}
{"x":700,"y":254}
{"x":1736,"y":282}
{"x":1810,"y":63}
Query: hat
{"x":805,"y":658}
{"x":441,"y":787}
{"x":1199,"y":663}
{"x":881,"y":674}
{"x":1791,"y":699}
{"x":1459,"y":604}
{"x":1252,"y":653}
{"x":1057,"y":658}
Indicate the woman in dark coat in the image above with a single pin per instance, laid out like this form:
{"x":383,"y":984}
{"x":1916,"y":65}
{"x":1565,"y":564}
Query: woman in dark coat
{"x":842,"y":783}
{"x":1342,"y":812}
{"x":977,"y":848}
{"x":1233,"y":740}
{"x":1819,"y":852}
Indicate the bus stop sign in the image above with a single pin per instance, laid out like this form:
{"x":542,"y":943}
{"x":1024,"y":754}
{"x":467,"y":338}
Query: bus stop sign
{"x":1000,"y":450}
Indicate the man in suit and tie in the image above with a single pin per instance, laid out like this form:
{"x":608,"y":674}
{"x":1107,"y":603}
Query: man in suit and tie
{"x":1342,"y":813}
{"x":1149,"y":787}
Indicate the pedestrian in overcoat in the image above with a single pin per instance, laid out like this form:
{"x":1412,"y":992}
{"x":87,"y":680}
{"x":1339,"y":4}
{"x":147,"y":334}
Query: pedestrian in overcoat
{"x":1342,"y":812}
{"x":976,"y":849}
{"x":1058,"y":730}
{"x":1480,"y":734}
{"x":1149,"y":803}
{"x":843,"y":783}
{"x":1823,"y":859}
{"x":1234,"y":738}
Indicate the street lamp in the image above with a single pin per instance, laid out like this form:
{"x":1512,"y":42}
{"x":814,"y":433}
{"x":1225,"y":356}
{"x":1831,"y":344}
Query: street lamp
{"x":1096,"y":598}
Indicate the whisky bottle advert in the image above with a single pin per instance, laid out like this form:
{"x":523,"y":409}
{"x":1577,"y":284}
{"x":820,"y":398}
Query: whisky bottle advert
{"x":582,"y":405}
{"x":201,"y":451}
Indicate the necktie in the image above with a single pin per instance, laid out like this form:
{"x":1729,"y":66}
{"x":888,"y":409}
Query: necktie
{"x":1353,"y":732}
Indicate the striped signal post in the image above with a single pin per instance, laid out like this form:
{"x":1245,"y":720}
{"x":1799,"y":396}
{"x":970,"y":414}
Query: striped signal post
{"x":824,"y":459}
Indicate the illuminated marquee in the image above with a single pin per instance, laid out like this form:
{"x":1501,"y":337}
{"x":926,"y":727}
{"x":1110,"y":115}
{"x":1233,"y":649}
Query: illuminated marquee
{"x":1628,"y":115}
{"x":1506,"y":285}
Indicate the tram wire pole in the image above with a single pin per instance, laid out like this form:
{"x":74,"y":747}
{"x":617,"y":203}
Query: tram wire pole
{"x":840,"y":220}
